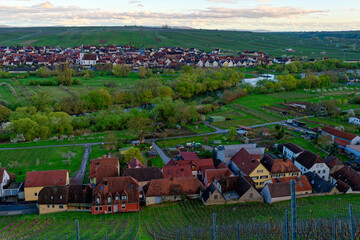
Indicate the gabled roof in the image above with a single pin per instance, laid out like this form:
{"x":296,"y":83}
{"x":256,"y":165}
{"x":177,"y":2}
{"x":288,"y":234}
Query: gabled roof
{"x":341,"y":186}
{"x":235,"y":183}
{"x":117,"y":185}
{"x":174,"y":187}
{"x":199,"y":164}
{"x":106,"y":171}
{"x":279,"y":189}
{"x":46,"y":178}
{"x":211,"y":174}
{"x":348,"y":176}
{"x":189,"y":156}
{"x":144,"y":174}
{"x":172,"y":162}
{"x":293,"y":147}
{"x":278,"y":166}
{"x":96,"y":163}
{"x":135,"y":163}
{"x":308,"y":159}
{"x":318,"y":184}
{"x":89,"y":57}
{"x":301,"y":182}
{"x":80,"y":194}
{"x":53,"y":195}
{"x":177,"y":171}
{"x":338,"y":133}
{"x":245,"y":162}
{"x":2,"y":171}
{"x":332,"y":161}
{"x":208,"y":191}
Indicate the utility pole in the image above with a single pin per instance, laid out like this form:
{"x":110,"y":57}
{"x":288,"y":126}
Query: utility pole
{"x":214,"y":225}
{"x":77,"y":229}
{"x":293,"y":210}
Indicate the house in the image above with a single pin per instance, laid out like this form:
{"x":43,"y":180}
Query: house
{"x":319,"y":185}
{"x":343,"y":187}
{"x":280,"y":167}
{"x":233,"y":189}
{"x":188,"y":156}
{"x":310,"y":162}
{"x":65,"y":198}
{"x":198,"y":166}
{"x":116,"y":194}
{"x":88,"y":60}
{"x":340,"y":137}
{"x":349,"y":176}
{"x":245,"y":164}
{"x":103,"y":167}
{"x":172,"y":189}
{"x":144,"y":175}
{"x":279,"y":189}
{"x":37,"y":180}
{"x":177,"y":171}
{"x":291,"y":151}
{"x":5,"y":180}
{"x":265,"y":132}
{"x":226,"y":152}
{"x":353,"y":149}
{"x":135,"y":163}
{"x":333,"y":163}
{"x":210,"y":175}
{"x":354,"y":120}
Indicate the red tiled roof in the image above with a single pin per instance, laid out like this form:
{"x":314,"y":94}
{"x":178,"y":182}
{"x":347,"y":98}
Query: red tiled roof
{"x":302,"y":183}
{"x":199,"y":164}
{"x":211,"y":174}
{"x":135,"y":163}
{"x":277,"y":166}
{"x":332,"y":161}
{"x":338,"y":133}
{"x":46,"y":178}
{"x":174,"y":187}
{"x":177,"y":171}
{"x":221,"y":165}
{"x":189,"y":156}
{"x":245,"y":162}
{"x":106,"y":171}
{"x":95,"y":163}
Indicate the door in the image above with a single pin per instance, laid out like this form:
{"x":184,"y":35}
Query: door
{"x":115,"y":208}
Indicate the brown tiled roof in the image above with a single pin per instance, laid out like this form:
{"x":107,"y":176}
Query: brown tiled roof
{"x":53,"y":195}
{"x":308,"y":159}
{"x":189,"y":156}
{"x":177,"y":171}
{"x":279,"y":189}
{"x":198,"y":164}
{"x":245,"y":162}
{"x":80,"y":194}
{"x":46,"y":178}
{"x":211,"y":174}
{"x":2,"y":170}
{"x":338,"y":133}
{"x":221,"y":165}
{"x":89,"y":57}
{"x":135,"y":163}
{"x":174,"y":187}
{"x":302,"y":183}
{"x":348,"y":176}
{"x":172,"y":162}
{"x":96,"y":163}
{"x":332,"y":161}
{"x":341,"y":186}
{"x":144,"y":174}
{"x":117,"y":185}
{"x":235,"y":183}
{"x":106,"y":171}
{"x":277,"y":166}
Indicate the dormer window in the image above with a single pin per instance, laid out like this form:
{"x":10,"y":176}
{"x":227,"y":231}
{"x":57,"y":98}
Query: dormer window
{"x":51,"y":197}
{"x":105,"y":182}
{"x":124,"y":197}
{"x":109,"y":199}
{"x":60,"y":197}
{"x":97,"y":200}
{"x":117,"y":198}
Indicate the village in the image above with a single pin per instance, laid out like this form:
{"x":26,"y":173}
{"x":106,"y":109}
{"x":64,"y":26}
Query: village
{"x":27,"y":58}
{"x":239,"y":173}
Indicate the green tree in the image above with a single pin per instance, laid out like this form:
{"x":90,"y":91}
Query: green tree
{"x":121,"y":70}
{"x":232,"y":133}
{"x":4,"y":113}
{"x":26,"y":127}
{"x":41,"y":101}
{"x":131,"y":153}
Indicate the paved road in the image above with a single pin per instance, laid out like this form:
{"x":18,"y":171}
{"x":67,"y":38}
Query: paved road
{"x":163,"y":156}
{"x":7,"y":209}
{"x":78,"y":177}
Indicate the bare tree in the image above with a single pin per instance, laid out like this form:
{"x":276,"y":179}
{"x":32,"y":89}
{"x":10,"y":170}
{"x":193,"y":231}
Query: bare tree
{"x":68,"y":157}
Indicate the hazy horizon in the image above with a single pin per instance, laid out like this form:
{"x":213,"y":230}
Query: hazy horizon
{"x":240,"y":15}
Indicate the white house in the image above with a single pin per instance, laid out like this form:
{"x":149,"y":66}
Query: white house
{"x":88,"y":59}
{"x":291,"y":151}
{"x":310,"y":162}
{"x":354,"y":120}
{"x":5,"y":179}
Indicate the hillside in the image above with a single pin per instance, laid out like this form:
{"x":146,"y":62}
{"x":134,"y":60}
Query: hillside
{"x":343,"y":45}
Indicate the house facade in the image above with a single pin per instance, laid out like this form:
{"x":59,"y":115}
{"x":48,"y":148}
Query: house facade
{"x":116,"y":195}
{"x":291,"y":151}
{"x":354,"y":120}
{"x":340,"y":137}
{"x":310,"y":162}
{"x":5,"y":180}
{"x":280,"y":167}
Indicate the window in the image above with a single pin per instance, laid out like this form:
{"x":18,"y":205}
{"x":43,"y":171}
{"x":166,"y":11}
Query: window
{"x":53,"y":206}
{"x":48,"y":206}
{"x":124,"y":197}
{"x":109,"y":208}
{"x":60,"y":197}
{"x":105,"y":182}
{"x":61,"y":206}
{"x":100,"y":208}
{"x":123,"y":206}
{"x":35,"y":194}
{"x":117,"y":198}
{"x":97,"y":200}
{"x":51,"y":197}
{"x":255,"y":178}
{"x":109,"y":200}
{"x":216,"y":197}
{"x":260,"y":171}
{"x":251,"y":195}
{"x":319,"y":172}
{"x":101,"y":188}
{"x":96,"y":209}
{"x":324,"y":171}
{"x":263,"y":177}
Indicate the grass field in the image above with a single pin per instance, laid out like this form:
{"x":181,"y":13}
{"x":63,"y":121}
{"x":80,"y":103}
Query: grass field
{"x":24,"y":160}
{"x":305,"y":44}
{"x":167,"y":218}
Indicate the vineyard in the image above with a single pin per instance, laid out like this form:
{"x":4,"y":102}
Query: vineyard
{"x":190,"y":219}
{"x":22,"y":160}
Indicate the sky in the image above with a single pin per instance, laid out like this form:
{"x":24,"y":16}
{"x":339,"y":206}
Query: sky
{"x":271,"y":15}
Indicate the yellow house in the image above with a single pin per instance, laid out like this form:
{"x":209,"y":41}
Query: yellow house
{"x":244,"y":163}
{"x":280,"y":167}
{"x":37,"y":180}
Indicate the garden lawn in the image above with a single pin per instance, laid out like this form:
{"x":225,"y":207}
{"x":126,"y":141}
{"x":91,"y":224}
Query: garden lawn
{"x":20,"y":161}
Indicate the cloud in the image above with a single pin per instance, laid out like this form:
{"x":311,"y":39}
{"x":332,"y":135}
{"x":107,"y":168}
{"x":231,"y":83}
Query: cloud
{"x":134,"y":1}
{"x":46,"y":5}
{"x":140,"y":5}
{"x":223,"y":1}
